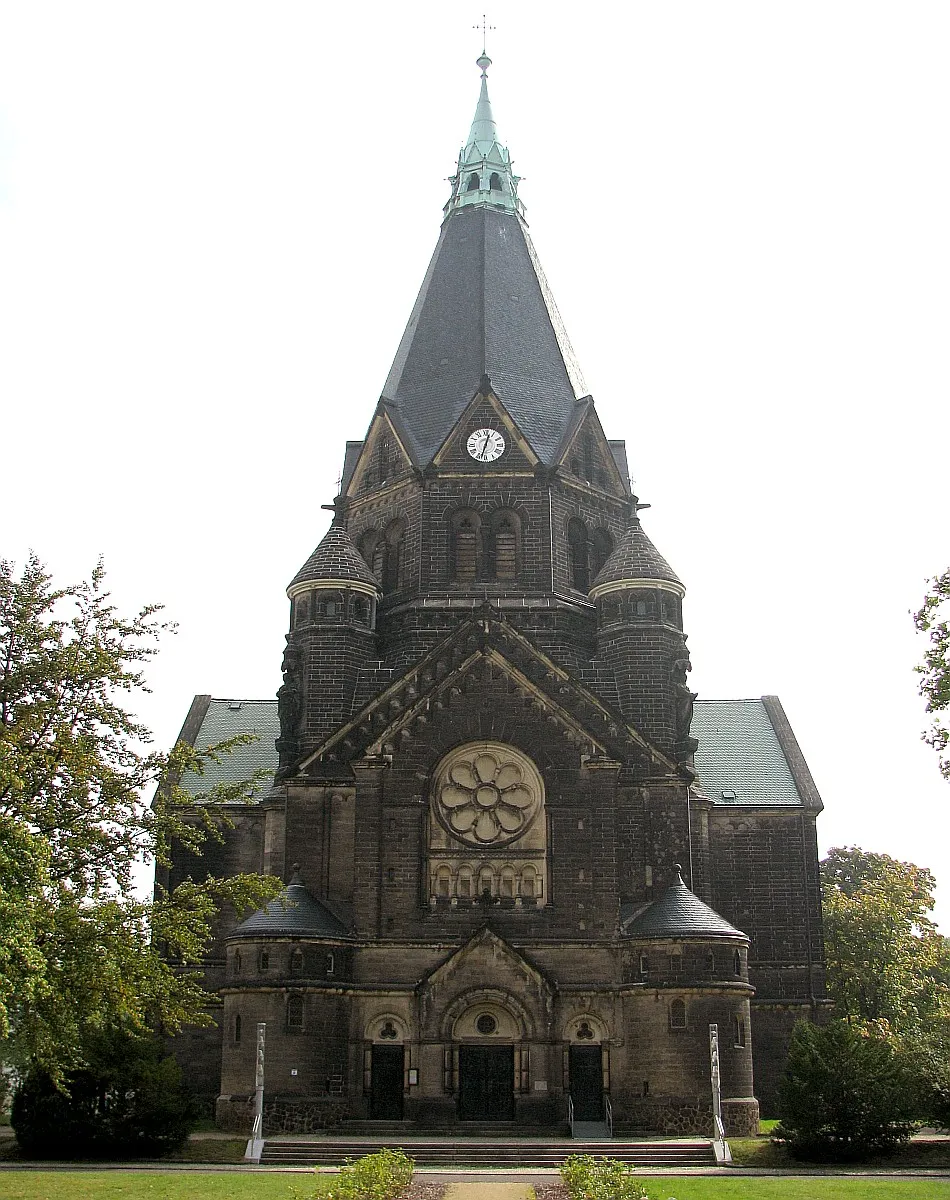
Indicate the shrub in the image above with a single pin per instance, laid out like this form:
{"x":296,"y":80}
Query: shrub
{"x":128,"y":1103}
{"x":589,"y":1178}
{"x":845,"y":1095}
{"x":381,"y":1176}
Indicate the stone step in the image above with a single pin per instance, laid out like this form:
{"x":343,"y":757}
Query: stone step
{"x":528,"y":1153}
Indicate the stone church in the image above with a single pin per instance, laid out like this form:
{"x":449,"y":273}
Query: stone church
{"x":524,"y":864}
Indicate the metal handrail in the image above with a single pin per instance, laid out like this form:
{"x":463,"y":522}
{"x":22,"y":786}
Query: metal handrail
{"x":609,"y":1116}
{"x":570,"y":1113}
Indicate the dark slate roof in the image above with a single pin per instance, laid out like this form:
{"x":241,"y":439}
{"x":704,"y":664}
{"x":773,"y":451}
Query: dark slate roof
{"x":634,"y":557}
{"x":336,"y":558}
{"x":740,"y":760}
{"x":484,"y":309}
{"x":223,"y":719}
{"x":678,"y":913}
{"x":294,"y":913}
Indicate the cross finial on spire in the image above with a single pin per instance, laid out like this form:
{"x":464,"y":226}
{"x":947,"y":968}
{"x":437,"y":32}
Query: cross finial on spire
{"x":484,"y":28}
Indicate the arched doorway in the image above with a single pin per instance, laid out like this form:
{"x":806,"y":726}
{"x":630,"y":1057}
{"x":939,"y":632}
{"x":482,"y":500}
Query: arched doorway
{"x":387,"y":1063}
{"x":586,"y":1069}
{"x":486,"y":1037}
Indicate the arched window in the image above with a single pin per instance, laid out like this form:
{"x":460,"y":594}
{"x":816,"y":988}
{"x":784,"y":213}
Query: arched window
{"x":392,"y":560}
{"x":385,"y":460}
{"x":506,"y":544}
{"x":296,"y":962}
{"x":237,"y":962}
{"x":465,"y":882}
{"x":237,"y":1029}
{"x":495,"y":182}
{"x":466,"y":536}
{"x":295,"y":1012}
{"x":443,"y":882}
{"x":486,"y":881}
{"x":263,"y":961}
{"x":711,"y":963}
{"x":507,"y":883}
{"x":529,"y":882}
{"x":371,"y":546}
{"x":472,"y":182}
{"x":736,"y":963}
{"x":677,"y":1014}
{"x":577,"y":554}
{"x":601,"y":544}
{"x":359,"y":608}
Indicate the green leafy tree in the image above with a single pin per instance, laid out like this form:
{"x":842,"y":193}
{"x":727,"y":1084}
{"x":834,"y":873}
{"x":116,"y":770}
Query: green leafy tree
{"x":886,"y":961}
{"x":846,"y":1093}
{"x":80,"y":951}
{"x":931,"y":619}
{"x":128,"y":1101}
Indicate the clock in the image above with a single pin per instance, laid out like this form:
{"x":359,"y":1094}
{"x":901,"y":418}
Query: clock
{"x":485,"y":445}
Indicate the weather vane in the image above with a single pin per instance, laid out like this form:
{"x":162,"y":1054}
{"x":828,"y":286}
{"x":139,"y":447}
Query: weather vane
{"x":484,"y":28}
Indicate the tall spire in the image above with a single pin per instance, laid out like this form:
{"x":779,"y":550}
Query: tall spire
{"x":484,"y":175}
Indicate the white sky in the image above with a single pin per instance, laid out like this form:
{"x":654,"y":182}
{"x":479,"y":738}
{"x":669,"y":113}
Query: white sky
{"x":214,"y":218}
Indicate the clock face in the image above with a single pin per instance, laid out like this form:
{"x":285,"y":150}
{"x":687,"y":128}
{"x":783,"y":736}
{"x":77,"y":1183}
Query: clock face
{"x":485,"y":445}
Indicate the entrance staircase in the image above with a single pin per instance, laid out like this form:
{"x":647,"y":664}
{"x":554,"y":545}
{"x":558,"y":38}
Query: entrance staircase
{"x":499,"y":1144}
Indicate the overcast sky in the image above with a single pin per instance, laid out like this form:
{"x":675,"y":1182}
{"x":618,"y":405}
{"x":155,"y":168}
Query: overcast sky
{"x":214,"y":218}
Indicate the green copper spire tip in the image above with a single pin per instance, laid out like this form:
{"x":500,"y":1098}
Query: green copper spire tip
{"x":483,"y":175}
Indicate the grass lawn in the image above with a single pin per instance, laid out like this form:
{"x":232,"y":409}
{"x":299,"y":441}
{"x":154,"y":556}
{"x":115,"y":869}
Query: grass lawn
{"x":798,"y":1189}
{"x":155,"y":1185}
{"x":127,"y":1185}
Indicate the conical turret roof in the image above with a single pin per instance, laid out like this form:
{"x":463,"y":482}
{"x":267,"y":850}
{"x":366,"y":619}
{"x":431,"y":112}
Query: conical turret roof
{"x":679,"y":913}
{"x":634,"y":557}
{"x":484,"y":309}
{"x":336,"y":558}
{"x":294,"y":913}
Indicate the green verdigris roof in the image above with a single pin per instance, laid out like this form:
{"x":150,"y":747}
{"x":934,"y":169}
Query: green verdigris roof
{"x":681,"y":914}
{"x":216,"y":721}
{"x":740,"y":760}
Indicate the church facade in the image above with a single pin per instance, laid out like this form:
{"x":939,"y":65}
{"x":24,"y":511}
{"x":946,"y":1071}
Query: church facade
{"x":524,"y":863}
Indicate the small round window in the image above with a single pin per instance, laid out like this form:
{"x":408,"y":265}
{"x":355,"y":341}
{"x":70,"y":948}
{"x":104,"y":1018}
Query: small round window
{"x":486,"y":1023}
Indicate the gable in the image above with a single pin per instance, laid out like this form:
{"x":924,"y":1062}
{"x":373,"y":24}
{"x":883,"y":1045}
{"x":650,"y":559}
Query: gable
{"x":477,"y":653}
{"x":589,"y":458}
{"x":486,"y":411}
{"x":382,"y":458}
{"x":486,"y":956}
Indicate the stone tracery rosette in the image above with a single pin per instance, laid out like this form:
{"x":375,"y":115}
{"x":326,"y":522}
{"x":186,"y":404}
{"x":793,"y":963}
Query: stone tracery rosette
{"x":487,"y":796}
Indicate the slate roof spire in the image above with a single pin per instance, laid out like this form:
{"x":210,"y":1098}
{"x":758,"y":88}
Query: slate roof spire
{"x":484,"y":309}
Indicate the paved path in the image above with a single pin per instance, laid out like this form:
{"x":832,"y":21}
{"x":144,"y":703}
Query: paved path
{"x":487,"y":1189}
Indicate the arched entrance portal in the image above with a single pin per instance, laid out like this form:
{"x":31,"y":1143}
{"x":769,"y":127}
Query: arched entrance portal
{"x":386,"y":1068}
{"x":586,"y":1070}
{"x":485,"y":1036}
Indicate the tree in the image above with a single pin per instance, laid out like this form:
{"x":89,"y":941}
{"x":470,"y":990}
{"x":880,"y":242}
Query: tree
{"x":886,"y":961}
{"x":845,"y":1093}
{"x":128,"y":1101}
{"x":931,"y":619}
{"x":888,"y":967}
{"x":80,"y":952}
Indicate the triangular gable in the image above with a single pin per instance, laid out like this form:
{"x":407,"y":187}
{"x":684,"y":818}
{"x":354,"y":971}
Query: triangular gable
{"x":485,"y":410}
{"x":485,"y":643}
{"x":383,"y":457}
{"x":486,"y":956}
{"x":586,"y":455}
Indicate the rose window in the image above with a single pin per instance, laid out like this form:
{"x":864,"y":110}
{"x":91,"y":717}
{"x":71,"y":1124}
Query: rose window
{"x":486,"y":798}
